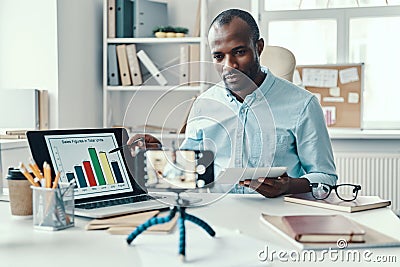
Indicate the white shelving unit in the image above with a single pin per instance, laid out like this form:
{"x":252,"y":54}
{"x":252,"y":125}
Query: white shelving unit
{"x":131,"y":105}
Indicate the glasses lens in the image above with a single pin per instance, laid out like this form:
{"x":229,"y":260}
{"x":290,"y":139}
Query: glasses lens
{"x":347,"y":192}
{"x":321,"y":191}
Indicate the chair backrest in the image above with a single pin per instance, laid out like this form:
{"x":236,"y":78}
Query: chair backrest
{"x":279,"y":60}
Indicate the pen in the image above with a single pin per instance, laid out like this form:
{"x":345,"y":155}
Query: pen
{"x":126,"y":145}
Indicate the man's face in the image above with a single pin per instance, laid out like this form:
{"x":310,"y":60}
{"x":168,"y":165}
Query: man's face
{"x":235,"y":54}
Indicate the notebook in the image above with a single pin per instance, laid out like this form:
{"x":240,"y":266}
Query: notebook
{"x":104,"y":184}
{"x":323,"y":228}
{"x":372,"y":238}
{"x":335,"y":203}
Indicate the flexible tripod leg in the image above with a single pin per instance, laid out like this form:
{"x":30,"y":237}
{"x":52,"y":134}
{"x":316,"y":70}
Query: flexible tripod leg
{"x":153,"y":221}
{"x":200,"y":223}
{"x":182,"y":233}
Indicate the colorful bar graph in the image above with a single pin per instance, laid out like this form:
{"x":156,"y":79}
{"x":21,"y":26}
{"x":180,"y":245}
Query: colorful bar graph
{"x":89,"y":173}
{"x":106,"y":167}
{"x":117,"y":172}
{"x":96,"y":166}
{"x":81,"y":176}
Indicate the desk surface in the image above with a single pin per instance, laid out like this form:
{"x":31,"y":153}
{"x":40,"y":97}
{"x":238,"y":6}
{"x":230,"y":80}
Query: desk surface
{"x":240,"y":237}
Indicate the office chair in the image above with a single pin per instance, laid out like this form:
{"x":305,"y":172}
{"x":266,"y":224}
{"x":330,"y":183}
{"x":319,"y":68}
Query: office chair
{"x":279,"y":60}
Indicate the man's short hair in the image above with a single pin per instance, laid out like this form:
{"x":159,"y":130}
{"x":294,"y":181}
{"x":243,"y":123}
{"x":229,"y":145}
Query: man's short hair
{"x":225,"y":17}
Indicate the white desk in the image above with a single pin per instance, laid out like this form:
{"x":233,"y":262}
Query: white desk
{"x":21,"y":245}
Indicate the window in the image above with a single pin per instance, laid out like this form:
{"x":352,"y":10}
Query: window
{"x":344,"y":35}
{"x":296,"y":35}
{"x":271,"y":5}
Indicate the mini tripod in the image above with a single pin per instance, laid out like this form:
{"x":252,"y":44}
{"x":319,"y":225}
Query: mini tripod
{"x":181,"y":208}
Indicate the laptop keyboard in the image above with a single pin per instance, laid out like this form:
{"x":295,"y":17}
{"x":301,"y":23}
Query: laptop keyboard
{"x":114,"y":202}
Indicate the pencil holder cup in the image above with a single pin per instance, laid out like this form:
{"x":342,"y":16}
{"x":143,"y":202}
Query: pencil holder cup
{"x":20,"y":193}
{"x":53,"y":209}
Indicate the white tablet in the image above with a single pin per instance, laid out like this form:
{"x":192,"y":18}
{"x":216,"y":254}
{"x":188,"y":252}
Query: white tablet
{"x":234,"y":175}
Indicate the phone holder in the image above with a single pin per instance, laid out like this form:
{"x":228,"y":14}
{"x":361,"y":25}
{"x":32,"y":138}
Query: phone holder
{"x":180,"y":207}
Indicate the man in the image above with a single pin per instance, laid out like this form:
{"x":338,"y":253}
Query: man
{"x":229,"y":118}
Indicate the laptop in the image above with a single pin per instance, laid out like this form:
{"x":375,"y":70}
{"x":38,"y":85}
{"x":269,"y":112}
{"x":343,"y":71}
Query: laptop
{"x":105,"y":186}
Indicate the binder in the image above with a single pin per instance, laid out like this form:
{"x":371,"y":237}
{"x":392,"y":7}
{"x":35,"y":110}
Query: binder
{"x":194,"y":68}
{"x":111,"y":18}
{"x":184,"y":64}
{"x":124,"y":18}
{"x":148,"y":15}
{"x":112,"y":71}
{"x":43,"y":110}
{"x":144,"y":58}
{"x":123,"y":65}
{"x":134,"y":67}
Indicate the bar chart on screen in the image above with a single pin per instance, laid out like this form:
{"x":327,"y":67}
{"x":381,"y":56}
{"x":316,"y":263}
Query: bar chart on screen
{"x":85,"y":159}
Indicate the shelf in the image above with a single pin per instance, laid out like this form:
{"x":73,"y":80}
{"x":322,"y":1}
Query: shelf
{"x":364,"y":134}
{"x":153,"y":40}
{"x":154,"y":88}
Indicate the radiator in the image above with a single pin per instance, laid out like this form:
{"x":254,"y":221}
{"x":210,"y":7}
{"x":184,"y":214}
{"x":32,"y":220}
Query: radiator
{"x":378,"y":174}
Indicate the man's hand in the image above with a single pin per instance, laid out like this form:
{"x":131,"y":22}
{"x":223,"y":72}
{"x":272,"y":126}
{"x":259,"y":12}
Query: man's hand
{"x":147,"y":142}
{"x":273,"y":187}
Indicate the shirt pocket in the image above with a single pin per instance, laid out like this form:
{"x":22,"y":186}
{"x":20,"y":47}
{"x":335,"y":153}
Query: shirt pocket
{"x":282,"y":145}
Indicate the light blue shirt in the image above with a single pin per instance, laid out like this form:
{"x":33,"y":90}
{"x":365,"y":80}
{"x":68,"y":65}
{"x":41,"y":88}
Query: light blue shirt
{"x":279,"y":124}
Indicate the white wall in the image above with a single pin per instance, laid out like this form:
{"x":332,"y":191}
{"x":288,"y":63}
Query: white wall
{"x":56,"y":46}
{"x":80,"y":37}
{"x":28,"y":47}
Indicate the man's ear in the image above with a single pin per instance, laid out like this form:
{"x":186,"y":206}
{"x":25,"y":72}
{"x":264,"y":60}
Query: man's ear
{"x":260,"y":46}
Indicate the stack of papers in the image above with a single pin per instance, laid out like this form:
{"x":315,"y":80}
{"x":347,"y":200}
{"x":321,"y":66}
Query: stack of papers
{"x":124,"y":225}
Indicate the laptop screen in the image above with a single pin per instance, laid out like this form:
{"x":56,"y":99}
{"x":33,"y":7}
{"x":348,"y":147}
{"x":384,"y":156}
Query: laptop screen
{"x":85,"y":158}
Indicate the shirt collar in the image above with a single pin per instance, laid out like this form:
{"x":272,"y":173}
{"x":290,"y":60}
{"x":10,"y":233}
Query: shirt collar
{"x":259,"y":93}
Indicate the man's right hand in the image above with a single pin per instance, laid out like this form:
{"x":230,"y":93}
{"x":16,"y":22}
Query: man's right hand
{"x":150,"y":142}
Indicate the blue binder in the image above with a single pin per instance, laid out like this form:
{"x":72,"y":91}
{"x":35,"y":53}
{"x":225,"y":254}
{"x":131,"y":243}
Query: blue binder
{"x":112,"y":73}
{"x":124,"y":13}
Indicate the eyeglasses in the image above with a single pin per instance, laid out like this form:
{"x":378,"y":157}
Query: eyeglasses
{"x":346,"y":192}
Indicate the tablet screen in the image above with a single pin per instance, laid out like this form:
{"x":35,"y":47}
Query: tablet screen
{"x":168,"y":169}
{"x":85,"y":157}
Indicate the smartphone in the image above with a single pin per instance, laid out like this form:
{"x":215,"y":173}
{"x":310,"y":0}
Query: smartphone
{"x":177,"y":169}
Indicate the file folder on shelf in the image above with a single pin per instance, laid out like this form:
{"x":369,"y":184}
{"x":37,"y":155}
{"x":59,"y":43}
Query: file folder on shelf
{"x":144,"y":58}
{"x":112,"y":71}
{"x":111,"y":18}
{"x":194,"y":68}
{"x":43,"y":110}
{"x":147,"y":15}
{"x":184,"y":65}
{"x":134,"y":67}
{"x":124,"y":18}
{"x":123,"y":65}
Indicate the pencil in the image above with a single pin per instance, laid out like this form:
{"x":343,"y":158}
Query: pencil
{"x":27,"y":175}
{"x":35,"y":172}
{"x":47,"y":174}
{"x":35,"y":169}
{"x":55,"y":183}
